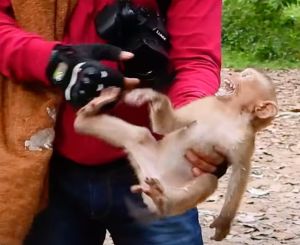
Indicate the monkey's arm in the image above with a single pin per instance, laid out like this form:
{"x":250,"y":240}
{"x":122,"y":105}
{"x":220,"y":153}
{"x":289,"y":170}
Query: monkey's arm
{"x":111,"y":129}
{"x":241,"y":164}
{"x":164,"y":119}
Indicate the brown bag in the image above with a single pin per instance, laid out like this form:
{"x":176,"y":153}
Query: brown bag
{"x":26,"y":111}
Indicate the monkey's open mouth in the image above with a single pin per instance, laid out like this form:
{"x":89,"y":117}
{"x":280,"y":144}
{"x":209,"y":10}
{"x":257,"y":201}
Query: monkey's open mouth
{"x":227,"y":88}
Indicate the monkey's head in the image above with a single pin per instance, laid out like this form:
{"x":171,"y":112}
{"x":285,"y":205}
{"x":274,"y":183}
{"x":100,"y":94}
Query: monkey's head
{"x":254,"y":93}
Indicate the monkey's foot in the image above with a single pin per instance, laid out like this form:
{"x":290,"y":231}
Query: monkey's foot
{"x":157,"y":194}
{"x":107,"y":96}
{"x":155,"y":191}
{"x":222,"y":226}
{"x":138,"y":97}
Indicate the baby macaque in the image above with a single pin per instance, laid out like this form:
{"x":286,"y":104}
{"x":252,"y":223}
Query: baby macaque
{"x":228,"y":122}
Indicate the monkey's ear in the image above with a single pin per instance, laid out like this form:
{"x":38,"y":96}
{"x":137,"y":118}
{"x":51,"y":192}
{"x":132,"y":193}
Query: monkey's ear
{"x":266,"y":109}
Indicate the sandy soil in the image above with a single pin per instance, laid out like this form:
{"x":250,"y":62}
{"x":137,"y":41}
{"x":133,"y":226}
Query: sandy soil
{"x":270,"y":212}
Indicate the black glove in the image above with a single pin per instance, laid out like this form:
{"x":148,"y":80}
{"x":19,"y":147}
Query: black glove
{"x":77,"y":70}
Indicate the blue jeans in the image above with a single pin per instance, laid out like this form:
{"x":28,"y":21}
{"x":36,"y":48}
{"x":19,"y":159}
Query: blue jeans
{"x":86,"y":201}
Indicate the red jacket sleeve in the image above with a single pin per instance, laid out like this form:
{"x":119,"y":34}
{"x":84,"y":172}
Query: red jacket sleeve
{"x":24,"y":56}
{"x":195,"y":33}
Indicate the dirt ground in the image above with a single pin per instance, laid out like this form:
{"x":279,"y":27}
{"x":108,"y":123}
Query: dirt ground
{"x":270,"y":211}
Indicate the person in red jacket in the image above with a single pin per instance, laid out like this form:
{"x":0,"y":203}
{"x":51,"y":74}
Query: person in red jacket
{"x":90,"y":180}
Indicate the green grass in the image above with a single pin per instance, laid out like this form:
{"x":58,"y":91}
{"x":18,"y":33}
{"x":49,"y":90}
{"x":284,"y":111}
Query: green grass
{"x":239,"y":60}
{"x":293,"y":10}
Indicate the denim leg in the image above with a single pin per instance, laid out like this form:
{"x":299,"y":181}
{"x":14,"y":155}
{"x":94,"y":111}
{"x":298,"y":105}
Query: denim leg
{"x":177,"y":230}
{"x":84,"y":201}
{"x":66,"y":220}
{"x":60,"y":225}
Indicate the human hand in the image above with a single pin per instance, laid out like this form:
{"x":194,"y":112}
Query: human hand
{"x":77,"y":70}
{"x":214,"y":163}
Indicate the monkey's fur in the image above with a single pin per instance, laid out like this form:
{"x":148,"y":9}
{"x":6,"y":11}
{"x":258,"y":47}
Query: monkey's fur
{"x":228,"y":122}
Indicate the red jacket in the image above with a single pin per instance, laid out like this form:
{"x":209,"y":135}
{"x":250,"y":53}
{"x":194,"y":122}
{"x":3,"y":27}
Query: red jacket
{"x":195,"y":31}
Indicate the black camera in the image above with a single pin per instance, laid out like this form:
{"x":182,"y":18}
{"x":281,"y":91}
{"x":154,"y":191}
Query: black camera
{"x":142,"y":32}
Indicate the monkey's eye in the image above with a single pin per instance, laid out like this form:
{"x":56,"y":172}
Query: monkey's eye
{"x":246,"y":74}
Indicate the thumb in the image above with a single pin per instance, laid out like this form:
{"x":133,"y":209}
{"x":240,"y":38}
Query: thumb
{"x":130,"y":83}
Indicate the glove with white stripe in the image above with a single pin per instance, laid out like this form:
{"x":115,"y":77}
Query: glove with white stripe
{"x":77,"y":70}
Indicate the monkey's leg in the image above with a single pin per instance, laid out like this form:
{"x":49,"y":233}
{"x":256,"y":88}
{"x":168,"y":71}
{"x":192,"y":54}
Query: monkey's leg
{"x":241,"y":163}
{"x":176,"y":200}
{"x":138,"y":142}
{"x":164,"y":119}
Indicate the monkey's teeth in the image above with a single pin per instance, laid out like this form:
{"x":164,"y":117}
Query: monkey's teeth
{"x":227,"y":88}
{"x":229,"y":85}
{"x":223,"y":92}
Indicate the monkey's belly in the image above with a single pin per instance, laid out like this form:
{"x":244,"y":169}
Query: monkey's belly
{"x":174,"y":169}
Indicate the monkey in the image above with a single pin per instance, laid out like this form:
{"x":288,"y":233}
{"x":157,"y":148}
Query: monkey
{"x":226,"y":121}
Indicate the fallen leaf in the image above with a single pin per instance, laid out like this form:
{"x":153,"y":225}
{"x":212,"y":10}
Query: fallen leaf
{"x":255,"y":192}
{"x":283,"y":236}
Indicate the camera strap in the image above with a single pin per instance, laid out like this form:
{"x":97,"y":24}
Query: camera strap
{"x":163,"y":6}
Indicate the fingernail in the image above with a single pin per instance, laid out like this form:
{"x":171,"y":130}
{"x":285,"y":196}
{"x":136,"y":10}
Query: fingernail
{"x":135,"y":80}
{"x":132,"y":78}
{"x":126,"y":55}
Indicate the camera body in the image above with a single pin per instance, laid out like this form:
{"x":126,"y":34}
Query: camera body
{"x":142,"y":32}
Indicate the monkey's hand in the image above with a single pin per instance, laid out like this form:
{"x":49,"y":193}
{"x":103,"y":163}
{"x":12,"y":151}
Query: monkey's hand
{"x":164,"y":118}
{"x":138,"y":97}
{"x":107,"y":96}
{"x":222,"y":226}
{"x":156,"y":192}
